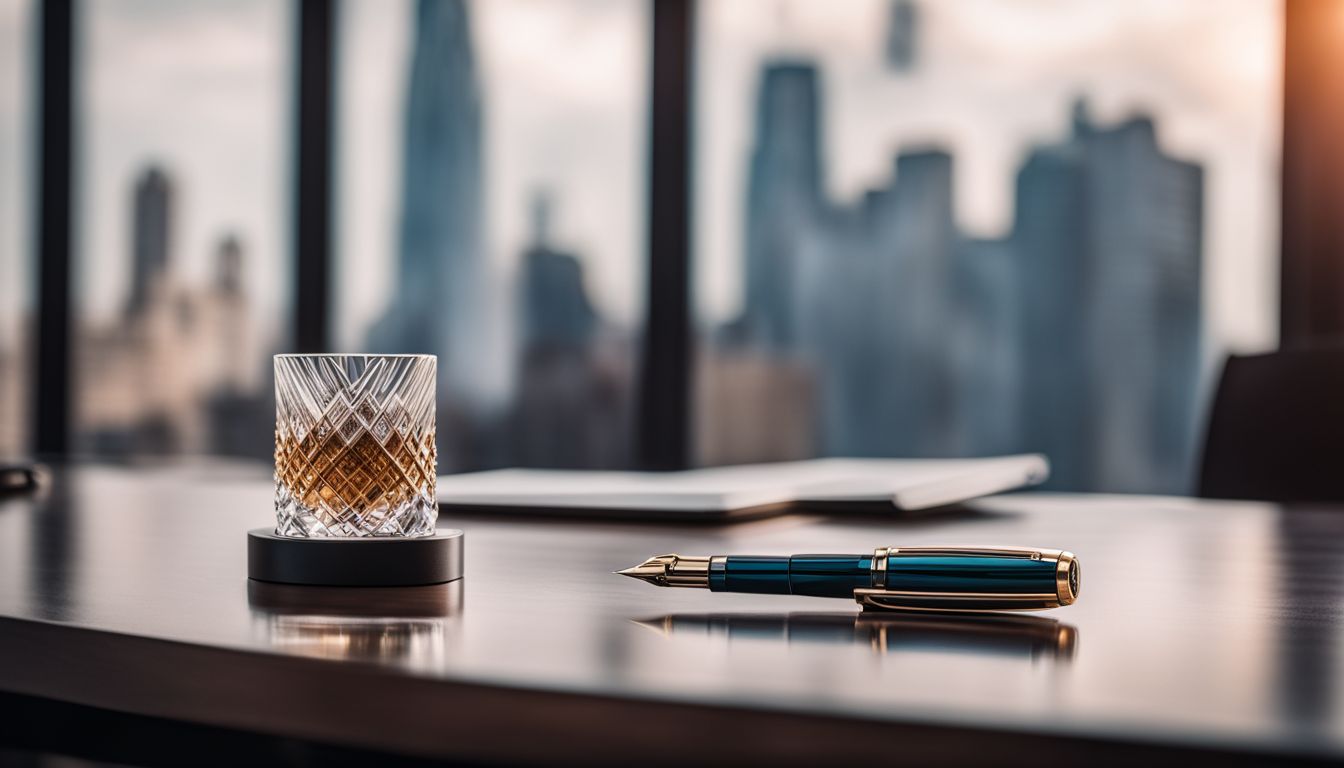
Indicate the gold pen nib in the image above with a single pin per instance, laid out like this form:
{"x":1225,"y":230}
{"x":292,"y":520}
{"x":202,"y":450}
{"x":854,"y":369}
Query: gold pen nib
{"x":671,"y":571}
{"x":653,"y":570}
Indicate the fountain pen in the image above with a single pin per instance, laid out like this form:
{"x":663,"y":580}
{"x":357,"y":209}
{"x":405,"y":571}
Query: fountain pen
{"x":892,"y":578}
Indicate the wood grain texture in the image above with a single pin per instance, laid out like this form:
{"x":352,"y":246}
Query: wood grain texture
{"x":1203,"y":629}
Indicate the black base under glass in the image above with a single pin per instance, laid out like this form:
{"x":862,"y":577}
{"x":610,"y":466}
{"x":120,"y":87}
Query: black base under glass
{"x":355,"y":562}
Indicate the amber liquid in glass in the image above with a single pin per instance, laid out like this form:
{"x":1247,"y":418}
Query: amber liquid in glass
{"x":361,"y":481}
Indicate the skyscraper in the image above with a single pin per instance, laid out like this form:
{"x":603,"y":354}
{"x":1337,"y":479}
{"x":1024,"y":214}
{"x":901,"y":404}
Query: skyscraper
{"x":230,"y":312}
{"x":983,"y":354}
{"x":572,"y":407}
{"x":1108,"y":234}
{"x":553,"y":300}
{"x":874,"y":286}
{"x":151,"y":213}
{"x":1049,"y":243}
{"x":237,"y":409}
{"x":902,"y":35}
{"x":762,"y":373}
{"x":1143,"y":312}
{"x":916,"y":243}
{"x":860,"y":294}
{"x":229,"y":265}
{"x":784,"y":199}
{"x":441,"y":304}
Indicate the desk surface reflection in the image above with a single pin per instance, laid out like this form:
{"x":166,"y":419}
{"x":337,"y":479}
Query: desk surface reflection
{"x":1204,"y":629}
{"x":1023,"y":637}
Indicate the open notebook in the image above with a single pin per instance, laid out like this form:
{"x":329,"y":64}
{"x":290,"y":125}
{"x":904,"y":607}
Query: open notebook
{"x":745,"y":490}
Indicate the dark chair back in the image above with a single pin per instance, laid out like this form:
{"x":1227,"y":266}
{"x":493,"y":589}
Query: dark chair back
{"x":1276,"y":431}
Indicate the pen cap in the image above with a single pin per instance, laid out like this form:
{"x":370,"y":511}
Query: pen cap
{"x":970,"y":579}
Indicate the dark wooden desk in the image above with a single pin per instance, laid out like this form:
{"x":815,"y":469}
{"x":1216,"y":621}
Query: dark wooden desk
{"x":1203,"y":630}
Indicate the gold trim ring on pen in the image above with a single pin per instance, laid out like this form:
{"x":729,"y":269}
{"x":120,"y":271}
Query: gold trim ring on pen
{"x":1068,"y":578}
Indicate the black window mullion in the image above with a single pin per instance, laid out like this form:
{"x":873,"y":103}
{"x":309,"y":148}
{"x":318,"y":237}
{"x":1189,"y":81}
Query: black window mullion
{"x":663,"y":426}
{"x":54,"y":217}
{"x":316,"y":30}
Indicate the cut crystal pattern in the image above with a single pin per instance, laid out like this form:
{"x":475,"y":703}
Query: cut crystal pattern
{"x":354,"y":445}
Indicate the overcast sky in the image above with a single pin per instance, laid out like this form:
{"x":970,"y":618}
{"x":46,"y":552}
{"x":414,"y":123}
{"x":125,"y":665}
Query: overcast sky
{"x":203,"y":88}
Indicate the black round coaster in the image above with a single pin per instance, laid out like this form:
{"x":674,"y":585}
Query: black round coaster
{"x":366,"y":562}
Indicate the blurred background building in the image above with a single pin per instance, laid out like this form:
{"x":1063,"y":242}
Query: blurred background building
{"x":918,"y":229}
{"x":957,"y":252}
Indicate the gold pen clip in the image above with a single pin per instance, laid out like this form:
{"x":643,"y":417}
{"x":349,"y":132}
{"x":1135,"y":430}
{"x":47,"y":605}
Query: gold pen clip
{"x":1059,"y":580}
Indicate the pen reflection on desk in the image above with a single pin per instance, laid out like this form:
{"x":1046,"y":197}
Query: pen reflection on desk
{"x":1028,"y":637}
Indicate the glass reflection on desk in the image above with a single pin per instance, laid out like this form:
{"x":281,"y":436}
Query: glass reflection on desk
{"x":409,"y":626}
{"x":1002,"y":635}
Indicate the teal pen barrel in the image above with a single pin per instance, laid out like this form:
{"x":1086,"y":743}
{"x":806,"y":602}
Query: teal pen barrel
{"x":815,"y":575}
{"x":829,"y":575}
{"x":762,"y":575}
{"x":973,"y":573}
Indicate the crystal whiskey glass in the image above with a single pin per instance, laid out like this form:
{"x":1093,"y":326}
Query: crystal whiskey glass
{"x":354,"y":445}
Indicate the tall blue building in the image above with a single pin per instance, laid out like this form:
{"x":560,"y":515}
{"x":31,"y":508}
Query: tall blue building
{"x":1108,"y":235}
{"x":441,"y":301}
{"x":152,"y":212}
{"x":916,"y":242}
{"x":871,"y":302}
{"x":983,"y":352}
{"x":784,"y":200}
{"x":902,"y":43}
{"x":858,"y":293}
{"x":839,"y":274}
{"x":1049,"y":249}
{"x":573,"y":399}
{"x":553,"y":302}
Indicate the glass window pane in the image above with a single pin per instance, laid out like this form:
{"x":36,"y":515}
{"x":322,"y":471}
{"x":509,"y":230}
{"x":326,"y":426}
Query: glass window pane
{"x":491,"y":211}
{"x":182,"y":178}
{"x":982,"y":227}
{"x":16,"y":32}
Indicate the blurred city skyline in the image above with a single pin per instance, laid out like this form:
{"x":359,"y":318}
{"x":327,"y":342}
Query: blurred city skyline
{"x":563,"y":108}
{"x":882,"y":328}
{"x":178,"y":363}
{"x":529,"y":371}
{"x":1211,"y":91}
{"x":1229,"y":64}
{"x":992,"y":79}
{"x":201,"y":90}
{"x":553,"y":164}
